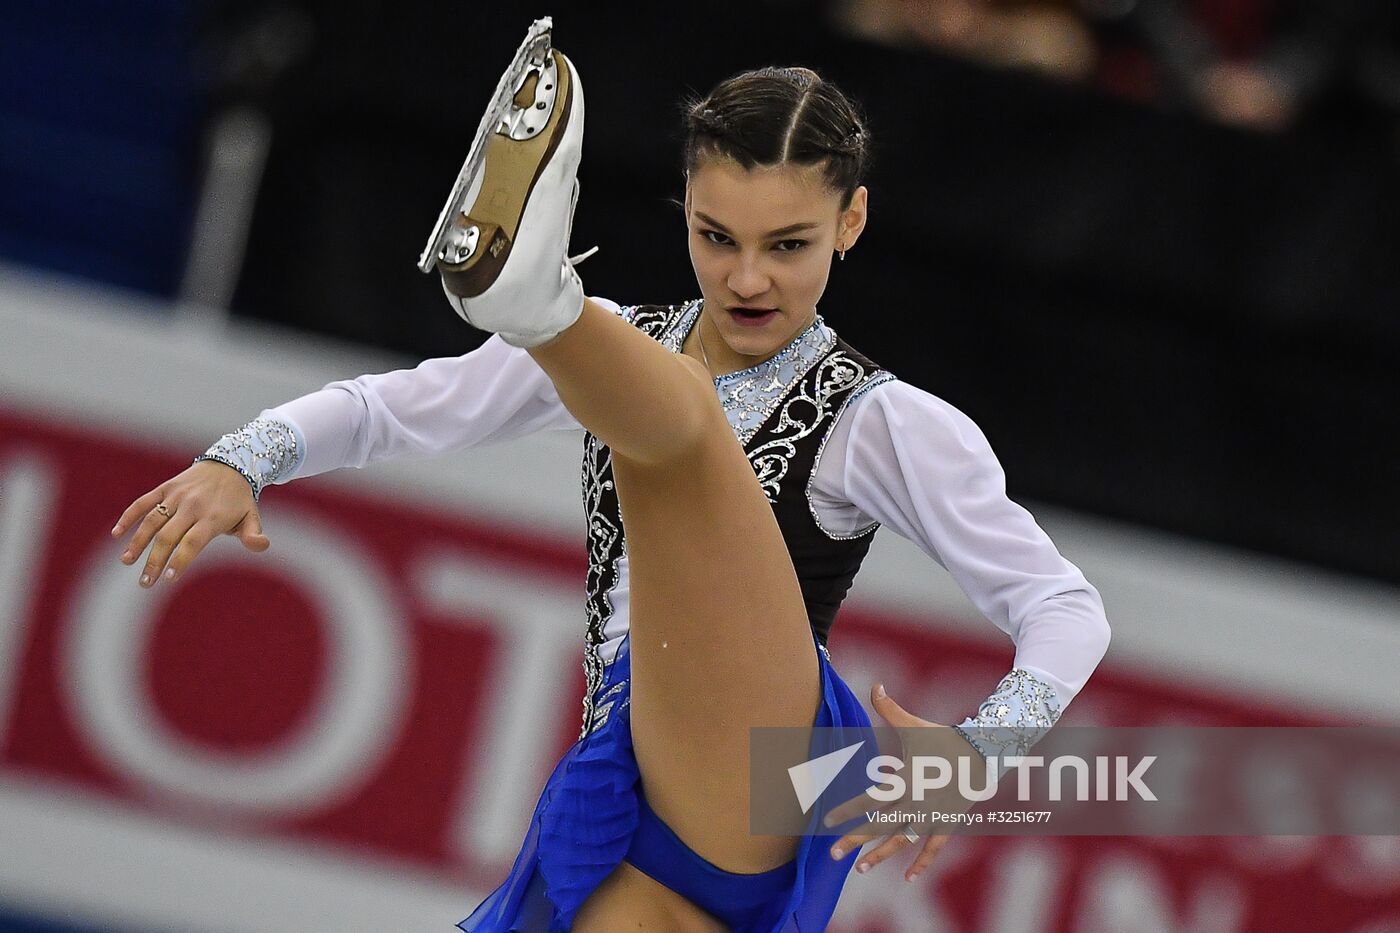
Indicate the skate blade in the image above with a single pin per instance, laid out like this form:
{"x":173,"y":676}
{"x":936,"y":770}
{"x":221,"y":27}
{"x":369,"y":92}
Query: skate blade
{"x":508,"y":140}
{"x":508,"y":177}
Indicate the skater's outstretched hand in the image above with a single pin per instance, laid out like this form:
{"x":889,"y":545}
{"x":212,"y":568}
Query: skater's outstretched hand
{"x":185,"y":513}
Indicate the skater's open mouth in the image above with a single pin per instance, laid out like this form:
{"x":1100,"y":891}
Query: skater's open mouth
{"x":752,"y":316}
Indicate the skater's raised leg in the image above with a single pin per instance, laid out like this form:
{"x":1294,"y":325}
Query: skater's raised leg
{"x":720,"y":639}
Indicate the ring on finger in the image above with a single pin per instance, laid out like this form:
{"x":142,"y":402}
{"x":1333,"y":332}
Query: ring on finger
{"x":909,"y":833}
{"x":164,"y":509}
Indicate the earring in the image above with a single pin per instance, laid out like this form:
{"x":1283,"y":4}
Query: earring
{"x":841,"y":254}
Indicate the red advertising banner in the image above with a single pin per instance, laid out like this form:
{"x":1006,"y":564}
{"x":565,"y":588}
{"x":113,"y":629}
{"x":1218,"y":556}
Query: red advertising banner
{"x":395,"y":682}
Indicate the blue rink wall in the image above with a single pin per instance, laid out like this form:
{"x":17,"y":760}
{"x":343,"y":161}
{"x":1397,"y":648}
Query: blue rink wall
{"x":20,"y":923}
{"x":101,"y":121}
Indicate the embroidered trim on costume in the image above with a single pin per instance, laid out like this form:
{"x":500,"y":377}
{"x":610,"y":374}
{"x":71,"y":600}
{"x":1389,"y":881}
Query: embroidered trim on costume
{"x":606,"y":544}
{"x":678,"y":328}
{"x":604,"y":550}
{"x":263,"y":450}
{"x":602,"y":707}
{"x":805,"y":411}
{"x":1016,"y":716}
{"x":749,"y":398}
{"x":880,"y":378}
{"x":749,"y":395}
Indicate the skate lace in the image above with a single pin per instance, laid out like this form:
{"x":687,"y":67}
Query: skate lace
{"x":575,"y":260}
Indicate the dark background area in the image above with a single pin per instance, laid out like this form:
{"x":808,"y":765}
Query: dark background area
{"x":1154,"y":317}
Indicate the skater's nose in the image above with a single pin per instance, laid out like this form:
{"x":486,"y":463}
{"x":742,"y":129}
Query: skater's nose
{"x":747,"y":279}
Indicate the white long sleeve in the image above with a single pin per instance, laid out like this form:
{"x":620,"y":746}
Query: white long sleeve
{"x":897,"y":455}
{"x":909,"y":460}
{"x":495,"y":393}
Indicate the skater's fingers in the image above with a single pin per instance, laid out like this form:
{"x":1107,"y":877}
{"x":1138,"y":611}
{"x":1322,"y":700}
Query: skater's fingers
{"x":206,"y":490}
{"x":194,"y":541}
{"x":932,"y":846}
{"x":156,"y":518}
{"x":249,"y":531}
{"x":137,"y":509}
{"x":165,"y":542}
{"x":892,"y":844}
{"x":854,"y":840}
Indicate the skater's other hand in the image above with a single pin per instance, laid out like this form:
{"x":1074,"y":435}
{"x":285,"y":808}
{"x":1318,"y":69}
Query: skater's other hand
{"x":937,"y":740}
{"x":198,"y":505}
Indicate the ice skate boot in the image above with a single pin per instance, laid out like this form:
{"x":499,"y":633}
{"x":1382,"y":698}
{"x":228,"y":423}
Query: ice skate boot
{"x":501,"y":241}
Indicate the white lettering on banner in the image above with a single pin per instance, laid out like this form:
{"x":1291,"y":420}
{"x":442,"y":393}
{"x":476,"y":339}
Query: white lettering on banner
{"x":1026,"y":879}
{"x":27,"y":494}
{"x":1367,"y":800}
{"x":1274,"y":854}
{"x":1124,"y":892}
{"x":355,"y":718}
{"x":882,"y":900}
{"x":1277,"y":782}
{"x":1180,"y":762}
{"x":541,"y":622}
{"x":874,"y":663}
{"x":1365,"y":865}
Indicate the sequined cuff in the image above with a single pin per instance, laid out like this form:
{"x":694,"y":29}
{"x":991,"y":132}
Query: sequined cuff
{"x":1017,"y":714}
{"x":262,"y":450}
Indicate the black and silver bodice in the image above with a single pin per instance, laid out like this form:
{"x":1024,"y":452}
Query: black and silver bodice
{"x":783,"y":411}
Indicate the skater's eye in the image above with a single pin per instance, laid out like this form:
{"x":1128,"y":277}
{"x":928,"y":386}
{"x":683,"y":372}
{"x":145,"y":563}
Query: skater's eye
{"x":782,"y":246}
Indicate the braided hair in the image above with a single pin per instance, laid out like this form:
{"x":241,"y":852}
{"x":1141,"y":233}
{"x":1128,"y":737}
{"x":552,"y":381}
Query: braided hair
{"x":777,"y":116}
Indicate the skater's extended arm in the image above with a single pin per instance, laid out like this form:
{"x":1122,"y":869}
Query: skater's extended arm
{"x":492,"y":394}
{"x":907,"y":459}
{"x":495,"y":393}
{"x":913,"y":462}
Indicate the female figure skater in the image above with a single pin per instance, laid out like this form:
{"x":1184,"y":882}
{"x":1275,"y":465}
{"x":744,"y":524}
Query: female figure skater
{"x":749,"y":453}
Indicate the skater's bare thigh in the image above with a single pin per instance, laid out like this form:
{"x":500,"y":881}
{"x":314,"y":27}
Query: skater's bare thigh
{"x":720,"y":643}
{"x":719,"y":636}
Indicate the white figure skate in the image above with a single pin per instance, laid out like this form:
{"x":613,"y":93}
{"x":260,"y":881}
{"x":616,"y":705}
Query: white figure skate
{"x":501,"y":241}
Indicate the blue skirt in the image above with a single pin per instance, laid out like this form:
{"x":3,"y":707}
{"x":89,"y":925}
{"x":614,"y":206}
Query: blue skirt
{"x":591,"y":812}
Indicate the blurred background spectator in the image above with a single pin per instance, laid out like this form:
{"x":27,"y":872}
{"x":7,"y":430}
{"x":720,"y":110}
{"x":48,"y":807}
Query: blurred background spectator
{"x":1258,"y":64}
{"x":1050,"y":38}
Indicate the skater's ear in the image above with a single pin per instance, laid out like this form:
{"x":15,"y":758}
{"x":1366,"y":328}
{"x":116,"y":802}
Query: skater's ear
{"x":853,"y":218}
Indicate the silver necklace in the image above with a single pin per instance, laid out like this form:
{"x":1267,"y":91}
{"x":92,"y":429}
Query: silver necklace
{"x":700,"y":336}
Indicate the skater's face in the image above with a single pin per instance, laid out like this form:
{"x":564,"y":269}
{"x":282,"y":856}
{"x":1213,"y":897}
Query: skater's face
{"x":761,"y":242}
